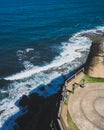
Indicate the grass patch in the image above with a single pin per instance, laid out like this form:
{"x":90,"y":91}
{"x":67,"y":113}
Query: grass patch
{"x":66,"y":101}
{"x":71,"y":123}
{"x":87,"y":80}
{"x":93,"y":79}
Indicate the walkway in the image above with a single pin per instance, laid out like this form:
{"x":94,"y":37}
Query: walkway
{"x":86,"y":106}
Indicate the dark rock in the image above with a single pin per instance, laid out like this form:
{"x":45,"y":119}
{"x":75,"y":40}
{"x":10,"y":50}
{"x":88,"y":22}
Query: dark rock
{"x":36,"y":98}
{"x":24,"y":101}
{"x":2,"y":111}
{"x":41,"y":112}
{"x":49,"y":85}
{"x":42,"y":88}
{"x":36,"y":102}
{"x":23,"y":120}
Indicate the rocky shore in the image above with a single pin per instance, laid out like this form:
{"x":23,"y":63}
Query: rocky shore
{"x":39,"y":112}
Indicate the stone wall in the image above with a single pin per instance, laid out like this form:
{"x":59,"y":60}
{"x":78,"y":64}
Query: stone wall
{"x":94,"y":66}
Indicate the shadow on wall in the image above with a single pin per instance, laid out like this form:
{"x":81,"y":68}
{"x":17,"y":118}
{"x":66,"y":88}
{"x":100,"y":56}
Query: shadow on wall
{"x":38,"y":110}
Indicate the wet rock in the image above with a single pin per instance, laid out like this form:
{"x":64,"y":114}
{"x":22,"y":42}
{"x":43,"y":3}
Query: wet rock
{"x":24,"y":101}
{"x":42,"y":88}
{"x":2,"y":111}
{"x":41,"y":111}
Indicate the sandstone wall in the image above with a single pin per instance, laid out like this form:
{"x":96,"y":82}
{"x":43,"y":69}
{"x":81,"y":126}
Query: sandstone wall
{"x":94,"y":66}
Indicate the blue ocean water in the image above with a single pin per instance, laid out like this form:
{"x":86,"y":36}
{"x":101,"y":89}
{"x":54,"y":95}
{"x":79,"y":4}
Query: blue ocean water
{"x":42,"y":25}
{"x":41,"y":37}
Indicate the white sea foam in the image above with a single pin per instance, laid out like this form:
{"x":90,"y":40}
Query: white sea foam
{"x":29,"y":49}
{"x":28,"y":65}
{"x":18,"y":88}
{"x":30,"y":78}
{"x":69,"y":53}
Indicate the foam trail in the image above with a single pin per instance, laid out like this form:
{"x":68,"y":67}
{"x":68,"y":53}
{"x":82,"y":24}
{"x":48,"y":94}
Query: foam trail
{"x":68,"y":54}
{"x":28,"y":73}
{"x":76,"y":42}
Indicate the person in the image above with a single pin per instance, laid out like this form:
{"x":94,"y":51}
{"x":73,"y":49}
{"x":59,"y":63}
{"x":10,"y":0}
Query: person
{"x":83,"y":81}
{"x":83,"y":84}
{"x":73,"y":87}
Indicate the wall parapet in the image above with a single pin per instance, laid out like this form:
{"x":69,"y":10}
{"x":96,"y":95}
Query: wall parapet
{"x":68,"y":86}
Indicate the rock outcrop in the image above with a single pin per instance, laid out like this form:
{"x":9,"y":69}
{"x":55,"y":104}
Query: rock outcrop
{"x":94,"y":66}
{"x":39,"y":113}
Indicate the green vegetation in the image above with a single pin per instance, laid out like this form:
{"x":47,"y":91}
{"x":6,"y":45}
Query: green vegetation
{"x":51,"y":125}
{"x":66,"y":102}
{"x":71,"y":123}
{"x":69,"y":118}
{"x":92,"y":79}
{"x":67,"y":99}
{"x":87,"y":80}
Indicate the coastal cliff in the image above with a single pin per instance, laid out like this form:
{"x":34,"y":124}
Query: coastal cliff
{"x":94,"y":66}
{"x":41,"y":113}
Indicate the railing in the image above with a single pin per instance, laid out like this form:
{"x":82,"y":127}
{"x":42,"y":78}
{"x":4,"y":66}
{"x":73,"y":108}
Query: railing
{"x":60,"y":118}
{"x":68,"y":81}
{"x":73,"y":76}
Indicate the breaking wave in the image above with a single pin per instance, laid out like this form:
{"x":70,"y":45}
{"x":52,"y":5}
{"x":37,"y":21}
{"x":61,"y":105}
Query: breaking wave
{"x":74,"y":53}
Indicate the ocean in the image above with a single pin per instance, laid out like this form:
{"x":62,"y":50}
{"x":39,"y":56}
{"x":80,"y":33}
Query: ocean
{"x":39,"y":41}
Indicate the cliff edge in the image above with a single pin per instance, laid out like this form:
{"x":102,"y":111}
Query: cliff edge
{"x":94,"y":66}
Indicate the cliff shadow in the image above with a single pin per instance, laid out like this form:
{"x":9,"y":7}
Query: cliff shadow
{"x":39,"y":109}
